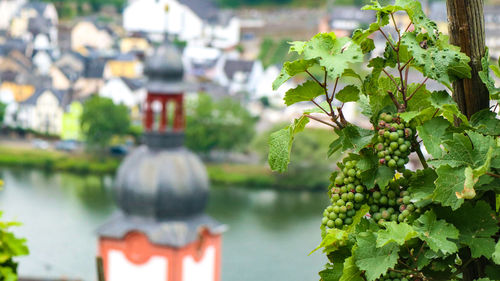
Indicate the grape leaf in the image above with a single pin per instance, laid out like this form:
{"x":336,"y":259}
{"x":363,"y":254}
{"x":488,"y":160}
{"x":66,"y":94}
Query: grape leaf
{"x":331,"y":240}
{"x":449,"y":109}
{"x":351,"y":272}
{"x":305,"y":92}
{"x":485,"y":122}
{"x":436,"y":233}
{"x":332,"y":272}
{"x":360,"y":36}
{"x":297,"y":46}
{"x":335,"y":54}
{"x":395,"y":232}
{"x":374,"y":261}
{"x":414,"y":11}
{"x":350,"y":137}
{"x":442,"y":62}
{"x":477,"y":224}
{"x":449,"y":182}
{"x":496,"y":254}
{"x":280,"y":144}
{"x":432,"y":133}
{"x":470,"y":150}
{"x":420,"y":99}
{"x":421,"y":186}
{"x":290,"y":69}
{"x":348,"y":93}
{"x":485,"y":76}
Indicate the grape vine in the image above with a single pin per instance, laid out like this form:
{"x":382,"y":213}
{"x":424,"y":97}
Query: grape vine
{"x":387,"y":220}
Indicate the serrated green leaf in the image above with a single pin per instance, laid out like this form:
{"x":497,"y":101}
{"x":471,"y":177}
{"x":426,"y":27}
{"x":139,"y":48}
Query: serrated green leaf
{"x":305,"y":92}
{"x":470,"y":150}
{"x":297,"y":46}
{"x":384,"y":176}
{"x":436,"y":233}
{"x":350,"y":137}
{"x":395,"y":232}
{"x":290,"y":69}
{"x":348,"y":93}
{"x":374,"y":261}
{"x":432,"y":133}
{"x":280,"y":144}
{"x":477,"y":225}
{"x":334,"y":54}
{"x":448,"y":107}
{"x":421,"y":186}
{"x":485,"y":122}
{"x":350,"y":271}
{"x":332,"y":272}
{"x":449,"y":182}
{"x":485,"y":76}
{"x":442,"y":62}
{"x":331,"y":241}
{"x":409,"y":115}
{"x":496,"y":254}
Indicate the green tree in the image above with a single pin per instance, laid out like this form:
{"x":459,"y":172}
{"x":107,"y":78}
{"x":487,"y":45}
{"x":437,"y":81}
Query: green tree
{"x":217,"y":125}
{"x":3,"y":107}
{"x":101,"y":120}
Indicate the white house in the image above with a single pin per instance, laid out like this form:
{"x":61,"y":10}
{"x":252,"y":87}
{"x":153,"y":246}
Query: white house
{"x":43,"y":62}
{"x":43,"y":111}
{"x":34,"y":18}
{"x":239,"y":76}
{"x":89,"y":34}
{"x":129,"y":92}
{"x":197,"y":22}
{"x":8,"y":9}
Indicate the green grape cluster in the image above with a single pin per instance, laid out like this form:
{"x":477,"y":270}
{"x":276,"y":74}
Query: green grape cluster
{"x":347,"y":195}
{"x":392,"y":203}
{"x":395,"y":276}
{"x":393,"y":142}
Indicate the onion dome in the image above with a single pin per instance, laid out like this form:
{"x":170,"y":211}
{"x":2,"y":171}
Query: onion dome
{"x":165,"y":64}
{"x":163,"y":185}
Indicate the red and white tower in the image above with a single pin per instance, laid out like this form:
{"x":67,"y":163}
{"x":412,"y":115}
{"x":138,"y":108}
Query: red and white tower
{"x":162,"y":232}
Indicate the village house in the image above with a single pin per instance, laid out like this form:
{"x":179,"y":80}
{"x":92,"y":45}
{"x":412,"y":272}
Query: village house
{"x":123,"y":65}
{"x":36,"y":19}
{"x":239,"y":76}
{"x":197,"y":22}
{"x":8,"y":9}
{"x":90,"y":34}
{"x":43,"y":111}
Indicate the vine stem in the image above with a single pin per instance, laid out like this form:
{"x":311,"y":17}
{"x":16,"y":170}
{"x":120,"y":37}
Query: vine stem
{"x":420,"y":155}
{"x":315,"y":79}
{"x":315,"y":103}
{"x":493,"y":175}
{"x":386,"y":38}
{"x":319,"y":120}
{"x":418,"y":88}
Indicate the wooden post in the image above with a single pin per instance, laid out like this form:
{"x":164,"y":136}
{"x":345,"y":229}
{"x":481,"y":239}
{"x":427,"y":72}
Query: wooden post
{"x":466,"y":28}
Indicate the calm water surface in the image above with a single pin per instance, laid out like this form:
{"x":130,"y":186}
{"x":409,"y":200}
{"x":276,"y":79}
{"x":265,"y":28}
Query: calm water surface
{"x":270,"y":233}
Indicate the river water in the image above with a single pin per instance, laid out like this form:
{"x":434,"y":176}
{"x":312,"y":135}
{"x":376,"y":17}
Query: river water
{"x":269,"y":238}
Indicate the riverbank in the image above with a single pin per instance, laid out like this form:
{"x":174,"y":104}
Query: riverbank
{"x":220,"y":174}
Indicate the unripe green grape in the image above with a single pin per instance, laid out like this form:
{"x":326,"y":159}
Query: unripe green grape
{"x":349,"y":205}
{"x":350,"y":213}
{"x":376,"y":195}
{"x":410,"y":207}
{"x":377,"y":216}
{"x":386,"y":215}
{"x":330,"y":223}
{"x":394,"y":217}
{"x":342,"y":215}
{"x":391,"y":194}
{"x":388,"y":118}
{"x":339,"y":180}
{"x":338,"y":222}
{"x":406,"y":199}
{"x":383,"y":200}
{"x":351,"y":172}
{"x":344,"y":197}
{"x":350,"y":196}
{"x":390,"y":211}
{"x":348,"y":221}
{"x":387,"y":134}
{"x":401,"y":133}
{"x":329,"y":208}
{"x":394,"y":145}
{"x":359,"y":188}
{"x":332,"y":216}
{"x":336,"y":209}
{"x":374,"y":208}
{"x":405,"y":213}
{"x":324,"y":220}
{"x":400,"y":163}
{"x":350,"y":186}
{"x":358,"y":174}
{"x":359,"y":197}
{"x":392,"y":163}
{"x":343,"y":209}
{"x":335,"y":197}
{"x":343,"y":189}
{"x":391,"y":202}
{"x":401,"y":141}
{"x":393,"y":136}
